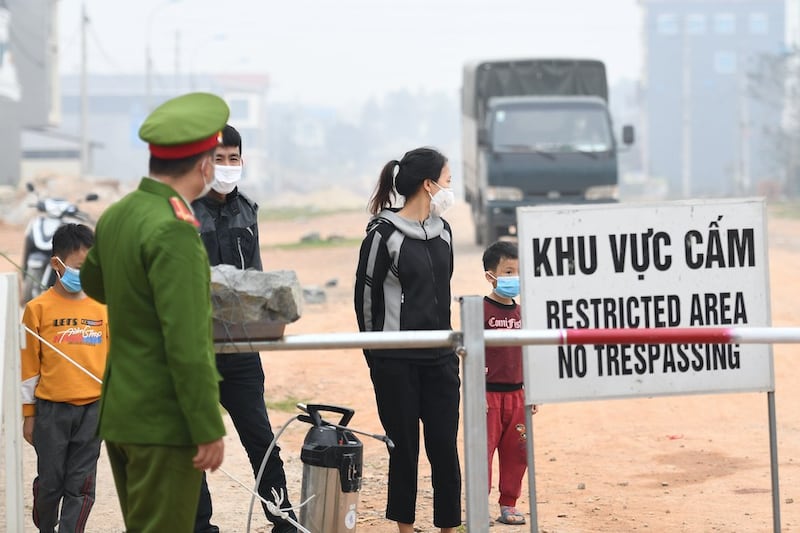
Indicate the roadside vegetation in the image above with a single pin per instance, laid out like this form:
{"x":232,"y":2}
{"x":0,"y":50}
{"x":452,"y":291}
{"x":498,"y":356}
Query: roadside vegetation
{"x":784,"y":209}
{"x":267,"y":213}
{"x":286,"y":405}
{"x":330,"y":242}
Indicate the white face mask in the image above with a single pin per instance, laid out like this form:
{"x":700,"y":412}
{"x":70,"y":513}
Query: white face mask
{"x":442,"y":200}
{"x":226,"y":178}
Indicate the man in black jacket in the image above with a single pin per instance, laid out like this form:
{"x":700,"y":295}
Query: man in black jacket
{"x":229,"y":229}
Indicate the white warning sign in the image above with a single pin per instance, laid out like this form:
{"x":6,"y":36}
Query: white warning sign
{"x":665,"y":265}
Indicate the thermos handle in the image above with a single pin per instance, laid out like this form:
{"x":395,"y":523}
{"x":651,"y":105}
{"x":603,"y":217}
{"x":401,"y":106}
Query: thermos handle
{"x":313,"y":410}
{"x":308,"y":420}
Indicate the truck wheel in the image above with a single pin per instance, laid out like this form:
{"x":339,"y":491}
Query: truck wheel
{"x":478,"y":234}
{"x":489,"y":234}
{"x":485,"y":233}
{"x":481,"y":226}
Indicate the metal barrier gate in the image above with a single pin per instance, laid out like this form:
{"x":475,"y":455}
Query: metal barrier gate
{"x":469,"y":344}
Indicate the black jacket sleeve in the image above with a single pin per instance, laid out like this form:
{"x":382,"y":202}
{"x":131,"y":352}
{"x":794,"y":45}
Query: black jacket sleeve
{"x":373,"y":265}
{"x":255,"y":257}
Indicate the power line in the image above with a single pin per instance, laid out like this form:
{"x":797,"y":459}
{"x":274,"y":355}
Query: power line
{"x":106,"y":56}
{"x":71,"y":40}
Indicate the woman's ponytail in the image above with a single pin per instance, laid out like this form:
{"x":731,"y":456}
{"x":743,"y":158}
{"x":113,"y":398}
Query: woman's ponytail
{"x":384,"y":192}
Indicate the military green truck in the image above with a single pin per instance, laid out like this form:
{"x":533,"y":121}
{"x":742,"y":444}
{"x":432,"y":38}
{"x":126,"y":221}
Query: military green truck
{"x":535,"y":131}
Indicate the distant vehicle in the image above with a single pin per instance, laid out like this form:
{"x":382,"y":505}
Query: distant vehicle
{"x":535,"y":131}
{"x":38,"y":275}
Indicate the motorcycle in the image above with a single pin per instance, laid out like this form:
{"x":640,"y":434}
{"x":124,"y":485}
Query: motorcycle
{"x":38,"y":274}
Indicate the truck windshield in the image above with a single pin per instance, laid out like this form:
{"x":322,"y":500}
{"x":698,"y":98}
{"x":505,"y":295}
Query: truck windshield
{"x":551,"y":130}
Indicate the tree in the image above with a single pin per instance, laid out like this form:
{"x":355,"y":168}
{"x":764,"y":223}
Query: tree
{"x":773,"y":81}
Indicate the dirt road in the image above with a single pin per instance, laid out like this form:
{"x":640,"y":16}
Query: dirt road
{"x":698,"y":463}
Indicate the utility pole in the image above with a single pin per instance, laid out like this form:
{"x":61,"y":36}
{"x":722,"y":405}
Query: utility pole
{"x":686,"y":117}
{"x":743,"y":187}
{"x":148,"y":54}
{"x":178,"y":62}
{"x":148,"y":74}
{"x":84,"y":168}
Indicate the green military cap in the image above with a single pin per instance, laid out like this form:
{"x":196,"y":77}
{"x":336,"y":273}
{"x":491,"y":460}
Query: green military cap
{"x":184,"y":126}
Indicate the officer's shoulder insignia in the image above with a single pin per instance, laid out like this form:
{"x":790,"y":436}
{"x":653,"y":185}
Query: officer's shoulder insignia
{"x":182,"y":212}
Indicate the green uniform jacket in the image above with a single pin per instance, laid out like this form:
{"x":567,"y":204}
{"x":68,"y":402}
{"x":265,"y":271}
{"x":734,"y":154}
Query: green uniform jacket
{"x":161,"y":384}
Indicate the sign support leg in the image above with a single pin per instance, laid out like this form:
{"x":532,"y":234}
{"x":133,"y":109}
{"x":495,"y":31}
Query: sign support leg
{"x":474,"y":398}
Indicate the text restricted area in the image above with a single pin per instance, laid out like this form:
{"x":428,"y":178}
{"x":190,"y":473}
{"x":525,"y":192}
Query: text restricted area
{"x":666,"y":265}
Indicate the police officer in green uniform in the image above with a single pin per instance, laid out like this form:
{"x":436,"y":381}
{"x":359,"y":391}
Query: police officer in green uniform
{"x":159,"y":412}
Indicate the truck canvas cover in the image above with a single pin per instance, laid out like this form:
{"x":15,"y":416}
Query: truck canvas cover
{"x":532,"y":77}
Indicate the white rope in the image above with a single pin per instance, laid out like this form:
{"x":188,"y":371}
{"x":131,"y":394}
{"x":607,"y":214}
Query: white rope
{"x":263,"y":466}
{"x":65,"y":356}
{"x":273,"y":508}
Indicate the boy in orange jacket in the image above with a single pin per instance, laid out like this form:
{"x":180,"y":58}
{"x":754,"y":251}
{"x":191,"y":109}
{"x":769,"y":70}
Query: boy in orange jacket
{"x":60,"y":400}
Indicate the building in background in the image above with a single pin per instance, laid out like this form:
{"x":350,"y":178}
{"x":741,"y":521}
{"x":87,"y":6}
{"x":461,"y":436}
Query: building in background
{"x":28,"y":76}
{"x":46,"y":153}
{"x":707,"y":129}
{"x":118,"y":106}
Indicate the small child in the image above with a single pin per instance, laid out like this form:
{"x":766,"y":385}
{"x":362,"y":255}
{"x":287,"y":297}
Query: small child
{"x":505,"y":399}
{"x":60,"y":401}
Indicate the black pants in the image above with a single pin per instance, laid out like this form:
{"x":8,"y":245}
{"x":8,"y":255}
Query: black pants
{"x":241,"y":393}
{"x":406,"y":393}
{"x":67,"y":451}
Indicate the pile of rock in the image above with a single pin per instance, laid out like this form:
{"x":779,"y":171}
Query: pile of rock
{"x":249,"y":305}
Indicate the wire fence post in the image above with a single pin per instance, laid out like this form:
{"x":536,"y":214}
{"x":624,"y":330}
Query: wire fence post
{"x":773,"y":461}
{"x":12,"y":404}
{"x":531,"y":470}
{"x":474,"y":397}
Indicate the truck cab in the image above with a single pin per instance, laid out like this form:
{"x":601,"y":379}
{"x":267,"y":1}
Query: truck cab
{"x":529,"y":149}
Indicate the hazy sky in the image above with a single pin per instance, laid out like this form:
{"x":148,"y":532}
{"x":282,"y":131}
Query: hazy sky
{"x":344,"y":51}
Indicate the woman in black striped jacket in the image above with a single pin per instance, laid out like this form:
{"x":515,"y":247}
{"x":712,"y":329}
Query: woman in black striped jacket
{"x":403,"y":283}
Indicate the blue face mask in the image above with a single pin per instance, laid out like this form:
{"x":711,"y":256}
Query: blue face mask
{"x":507,"y":286}
{"x":70,"y":279}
